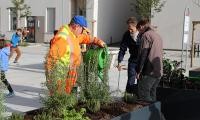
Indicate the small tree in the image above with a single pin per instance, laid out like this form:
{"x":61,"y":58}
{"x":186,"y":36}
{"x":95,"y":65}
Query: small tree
{"x":196,"y":2}
{"x":144,"y":8}
{"x":93,"y":79}
{"x":20,"y":10}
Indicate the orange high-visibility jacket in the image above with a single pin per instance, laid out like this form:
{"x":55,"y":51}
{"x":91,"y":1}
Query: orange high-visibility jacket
{"x":65,"y":49}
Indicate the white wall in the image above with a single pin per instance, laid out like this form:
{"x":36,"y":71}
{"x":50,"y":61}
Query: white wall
{"x":170,"y":22}
{"x":112,"y":16}
{"x":38,"y":8}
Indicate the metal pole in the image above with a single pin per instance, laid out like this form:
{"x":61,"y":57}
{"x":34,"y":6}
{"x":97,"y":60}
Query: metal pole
{"x":183,"y":41}
{"x":192,"y":51}
{"x":185,"y":35}
{"x":186,"y":56}
{"x":182,"y":55}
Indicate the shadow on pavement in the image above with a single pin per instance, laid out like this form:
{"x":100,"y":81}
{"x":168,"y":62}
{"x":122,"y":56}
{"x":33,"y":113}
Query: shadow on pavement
{"x":25,"y":96}
{"x":37,"y":68}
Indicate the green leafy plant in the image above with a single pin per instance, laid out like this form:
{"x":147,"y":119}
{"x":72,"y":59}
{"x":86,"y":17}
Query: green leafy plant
{"x":16,"y":116}
{"x":93,"y":105}
{"x":74,"y":115}
{"x":45,"y":116}
{"x":56,"y":97}
{"x":2,"y":107}
{"x":173,"y":75}
{"x":147,"y":8}
{"x":130,"y":98}
{"x":93,"y":79}
{"x":20,"y":10}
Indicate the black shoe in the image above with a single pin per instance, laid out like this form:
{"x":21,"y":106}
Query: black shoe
{"x":15,"y":62}
{"x":10,"y":94}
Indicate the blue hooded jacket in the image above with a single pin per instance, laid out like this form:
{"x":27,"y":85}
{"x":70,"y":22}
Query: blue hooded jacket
{"x":15,"y":40}
{"x":4,"y":58}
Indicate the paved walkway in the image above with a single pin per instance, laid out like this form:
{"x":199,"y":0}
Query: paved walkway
{"x":27,"y":76}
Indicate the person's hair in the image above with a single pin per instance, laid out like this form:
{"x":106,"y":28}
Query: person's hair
{"x":143,"y":22}
{"x":55,"y":32}
{"x":132,"y":20}
{"x":19,"y":29}
{"x":72,"y":22}
{"x":4,"y":43}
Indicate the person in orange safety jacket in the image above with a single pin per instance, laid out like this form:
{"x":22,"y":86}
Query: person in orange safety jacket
{"x":65,"y":49}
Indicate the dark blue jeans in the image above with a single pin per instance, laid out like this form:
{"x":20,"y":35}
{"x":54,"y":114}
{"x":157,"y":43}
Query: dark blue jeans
{"x":130,"y":86}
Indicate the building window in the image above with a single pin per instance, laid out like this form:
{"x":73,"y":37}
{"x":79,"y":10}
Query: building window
{"x":50,"y":20}
{"x":78,"y":7}
{"x":12,"y":19}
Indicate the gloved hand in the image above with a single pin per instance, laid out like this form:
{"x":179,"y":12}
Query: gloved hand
{"x":102,"y":44}
{"x":99,"y":42}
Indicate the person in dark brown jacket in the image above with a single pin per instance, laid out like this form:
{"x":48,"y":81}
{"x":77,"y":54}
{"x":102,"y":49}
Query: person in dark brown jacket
{"x":149,"y":67}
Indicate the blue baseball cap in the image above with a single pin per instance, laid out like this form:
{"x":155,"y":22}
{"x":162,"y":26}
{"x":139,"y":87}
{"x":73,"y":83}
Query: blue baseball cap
{"x":80,"y":20}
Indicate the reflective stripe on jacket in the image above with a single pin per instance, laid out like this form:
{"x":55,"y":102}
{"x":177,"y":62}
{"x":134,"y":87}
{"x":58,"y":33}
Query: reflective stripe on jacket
{"x":65,"y":51}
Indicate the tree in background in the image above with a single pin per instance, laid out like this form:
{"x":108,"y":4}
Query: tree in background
{"x":20,"y":10}
{"x":147,"y":8}
{"x":196,"y":2}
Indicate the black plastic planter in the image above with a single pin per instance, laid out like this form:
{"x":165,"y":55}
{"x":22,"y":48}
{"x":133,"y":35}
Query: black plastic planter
{"x":151,"y":112}
{"x":179,"y":104}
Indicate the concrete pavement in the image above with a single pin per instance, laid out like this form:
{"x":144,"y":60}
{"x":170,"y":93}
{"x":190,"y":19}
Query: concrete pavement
{"x":27,"y":76}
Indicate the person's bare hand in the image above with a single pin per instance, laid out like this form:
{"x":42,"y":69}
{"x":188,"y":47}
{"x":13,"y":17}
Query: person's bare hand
{"x":138,"y":76}
{"x":119,"y":67}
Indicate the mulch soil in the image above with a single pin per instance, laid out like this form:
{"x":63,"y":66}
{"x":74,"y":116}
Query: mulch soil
{"x":107,"y":112}
{"x":112,"y":110}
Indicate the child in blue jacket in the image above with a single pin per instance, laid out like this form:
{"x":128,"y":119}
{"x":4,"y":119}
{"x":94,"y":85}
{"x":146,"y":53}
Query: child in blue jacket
{"x":15,"y":40}
{"x":4,"y":60}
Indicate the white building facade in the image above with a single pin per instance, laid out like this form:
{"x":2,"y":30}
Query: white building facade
{"x":171,"y":19}
{"x":106,"y":18}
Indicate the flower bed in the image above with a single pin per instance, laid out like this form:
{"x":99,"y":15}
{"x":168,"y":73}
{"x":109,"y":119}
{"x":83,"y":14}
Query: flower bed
{"x":118,"y":110}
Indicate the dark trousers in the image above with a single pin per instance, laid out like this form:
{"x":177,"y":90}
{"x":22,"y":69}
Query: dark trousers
{"x":6,"y":83}
{"x":130,"y":86}
{"x":147,"y":88}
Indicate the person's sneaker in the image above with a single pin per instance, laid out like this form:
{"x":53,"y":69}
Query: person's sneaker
{"x":10,"y":94}
{"x":15,"y":62}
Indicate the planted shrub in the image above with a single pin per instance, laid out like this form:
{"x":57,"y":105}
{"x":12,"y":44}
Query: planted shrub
{"x":130,"y":98}
{"x":46,"y":115}
{"x":93,"y":105}
{"x":93,"y":79}
{"x":173,"y":74}
{"x":58,"y":104}
{"x":74,"y":115}
{"x":56,"y":97}
{"x":16,"y":116}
